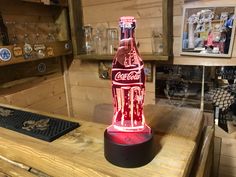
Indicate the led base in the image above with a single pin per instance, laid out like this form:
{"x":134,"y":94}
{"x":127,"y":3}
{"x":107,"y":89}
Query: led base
{"x":128,"y":149}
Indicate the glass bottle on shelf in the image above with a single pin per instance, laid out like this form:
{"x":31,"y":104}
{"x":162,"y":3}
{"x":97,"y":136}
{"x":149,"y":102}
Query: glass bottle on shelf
{"x":128,"y":82}
{"x":112,"y":40}
{"x":88,"y":46}
{"x":98,"y":42}
{"x":14,"y":40}
{"x":50,"y":35}
{"x":27,"y":49}
{"x":3,"y":32}
{"x":39,"y":46}
{"x":157,"y":43}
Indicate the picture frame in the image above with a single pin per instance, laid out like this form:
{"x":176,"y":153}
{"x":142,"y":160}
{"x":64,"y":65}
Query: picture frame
{"x":208,"y":31}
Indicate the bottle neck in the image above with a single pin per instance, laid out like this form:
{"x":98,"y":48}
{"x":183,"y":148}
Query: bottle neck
{"x":127,"y":33}
{"x":127,"y":38}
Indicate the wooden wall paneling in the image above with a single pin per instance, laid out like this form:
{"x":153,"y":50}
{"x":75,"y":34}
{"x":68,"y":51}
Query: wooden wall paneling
{"x":137,"y":8}
{"x":100,"y":2}
{"x":144,"y":29}
{"x":85,"y":74}
{"x":76,"y":25}
{"x":47,"y":96}
{"x":56,"y":102}
{"x":167,"y":20}
{"x":29,"y":69}
{"x":63,"y":25}
{"x":148,"y":14}
{"x":16,"y":7}
{"x":92,"y":94}
{"x":25,"y":86}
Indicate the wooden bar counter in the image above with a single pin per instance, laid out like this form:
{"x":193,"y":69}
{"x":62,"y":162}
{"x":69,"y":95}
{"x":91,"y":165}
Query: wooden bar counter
{"x":80,"y":152}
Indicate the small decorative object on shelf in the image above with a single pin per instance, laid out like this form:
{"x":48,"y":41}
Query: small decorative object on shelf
{"x":128,"y":142}
{"x":5,"y":54}
{"x":17,"y":51}
{"x":13,"y":54}
{"x":88,"y":32}
{"x":157,"y":43}
{"x":27,"y":46}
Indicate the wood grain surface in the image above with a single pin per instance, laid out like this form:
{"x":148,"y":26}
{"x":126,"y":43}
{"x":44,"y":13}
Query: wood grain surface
{"x":9,"y":170}
{"x":80,"y":152}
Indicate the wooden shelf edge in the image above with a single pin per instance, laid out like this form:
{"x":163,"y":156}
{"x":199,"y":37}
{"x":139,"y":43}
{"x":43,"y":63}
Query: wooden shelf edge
{"x":146,"y":57}
{"x":59,"y":49}
{"x":204,"y":61}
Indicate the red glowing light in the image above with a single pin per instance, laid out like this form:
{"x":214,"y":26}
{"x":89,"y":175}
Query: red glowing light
{"x":128,"y":83}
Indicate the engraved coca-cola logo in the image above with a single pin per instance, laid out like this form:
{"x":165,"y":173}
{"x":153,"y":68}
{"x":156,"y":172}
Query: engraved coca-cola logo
{"x":133,"y":75}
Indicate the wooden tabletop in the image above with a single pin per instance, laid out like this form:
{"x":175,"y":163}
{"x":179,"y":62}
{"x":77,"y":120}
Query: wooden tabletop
{"x":80,"y":152}
{"x":8,"y":169}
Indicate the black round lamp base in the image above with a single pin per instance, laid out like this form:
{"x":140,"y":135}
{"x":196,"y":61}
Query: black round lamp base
{"x":128,"y":150}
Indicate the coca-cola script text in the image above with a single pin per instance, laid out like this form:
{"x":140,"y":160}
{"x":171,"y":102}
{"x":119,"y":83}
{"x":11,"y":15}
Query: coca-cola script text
{"x":133,"y":75}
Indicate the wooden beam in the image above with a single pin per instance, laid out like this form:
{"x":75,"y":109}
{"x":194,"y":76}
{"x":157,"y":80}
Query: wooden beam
{"x":76,"y":25}
{"x":145,"y":57}
{"x":167,"y":20}
{"x":67,"y":87}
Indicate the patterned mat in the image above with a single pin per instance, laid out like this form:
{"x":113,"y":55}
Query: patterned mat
{"x":35,"y":125}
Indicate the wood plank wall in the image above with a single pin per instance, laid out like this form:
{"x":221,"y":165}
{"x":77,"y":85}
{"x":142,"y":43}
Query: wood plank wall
{"x":187,"y":60}
{"x":89,"y":92}
{"x":24,"y":86}
{"x":148,"y":14}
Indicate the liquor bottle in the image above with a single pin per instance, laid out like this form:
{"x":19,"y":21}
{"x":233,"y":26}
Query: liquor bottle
{"x":3,"y":32}
{"x":128,"y":82}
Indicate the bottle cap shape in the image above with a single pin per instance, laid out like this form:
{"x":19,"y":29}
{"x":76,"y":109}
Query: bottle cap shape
{"x":127,"y":22}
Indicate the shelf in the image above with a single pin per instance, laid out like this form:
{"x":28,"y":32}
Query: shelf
{"x":204,"y":61}
{"x":186,"y":101}
{"x":52,"y":49}
{"x":61,"y":3}
{"x":191,"y":81}
{"x":145,"y":57}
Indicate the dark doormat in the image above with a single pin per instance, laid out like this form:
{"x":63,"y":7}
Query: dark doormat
{"x":35,"y":125}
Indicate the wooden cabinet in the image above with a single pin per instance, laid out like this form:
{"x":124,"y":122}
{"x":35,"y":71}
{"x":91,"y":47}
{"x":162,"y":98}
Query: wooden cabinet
{"x":43,"y":27}
{"x":36,"y":82}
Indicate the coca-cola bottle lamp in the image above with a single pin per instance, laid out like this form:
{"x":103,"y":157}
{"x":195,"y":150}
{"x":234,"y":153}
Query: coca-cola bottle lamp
{"x":128,"y":142}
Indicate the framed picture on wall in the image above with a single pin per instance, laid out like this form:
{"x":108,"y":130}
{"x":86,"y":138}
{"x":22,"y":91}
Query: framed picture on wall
{"x":208,"y":31}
